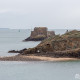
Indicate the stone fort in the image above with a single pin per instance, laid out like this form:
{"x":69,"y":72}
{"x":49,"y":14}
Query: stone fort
{"x":41,"y":31}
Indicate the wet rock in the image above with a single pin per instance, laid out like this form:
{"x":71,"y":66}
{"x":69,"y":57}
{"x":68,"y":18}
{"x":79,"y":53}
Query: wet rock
{"x":14,"y":51}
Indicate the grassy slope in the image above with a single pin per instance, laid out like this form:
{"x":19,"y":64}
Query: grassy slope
{"x":61,"y":45}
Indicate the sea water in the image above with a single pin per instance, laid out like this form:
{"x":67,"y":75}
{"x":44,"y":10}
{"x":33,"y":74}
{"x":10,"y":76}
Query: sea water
{"x":41,"y":70}
{"x":32,"y":70}
{"x":12,"y":39}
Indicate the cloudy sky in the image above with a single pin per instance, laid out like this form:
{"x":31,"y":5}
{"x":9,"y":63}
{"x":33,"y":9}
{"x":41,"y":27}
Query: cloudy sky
{"x":55,"y":14}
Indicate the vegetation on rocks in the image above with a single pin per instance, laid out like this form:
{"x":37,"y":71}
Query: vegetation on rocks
{"x":67,"y":45}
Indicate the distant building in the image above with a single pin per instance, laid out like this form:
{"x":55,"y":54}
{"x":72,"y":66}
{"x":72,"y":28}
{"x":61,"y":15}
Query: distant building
{"x":39,"y":31}
{"x":39,"y":34}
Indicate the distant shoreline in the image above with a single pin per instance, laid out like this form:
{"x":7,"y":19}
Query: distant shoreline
{"x":35,"y":58}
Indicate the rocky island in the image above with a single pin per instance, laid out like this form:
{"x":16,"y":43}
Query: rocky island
{"x":39,"y":34}
{"x":59,"y":47}
{"x":66,"y":45}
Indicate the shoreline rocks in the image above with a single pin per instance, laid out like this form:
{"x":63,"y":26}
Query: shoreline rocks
{"x":18,"y":51}
{"x":18,"y":58}
{"x":36,"y":58}
{"x":34,"y":39}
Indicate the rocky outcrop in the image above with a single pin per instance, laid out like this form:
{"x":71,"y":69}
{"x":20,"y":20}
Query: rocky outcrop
{"x":66,"y":45}
{"x":39,"y":34}
{"x":35,"y":39}
{"x":18,"y":51}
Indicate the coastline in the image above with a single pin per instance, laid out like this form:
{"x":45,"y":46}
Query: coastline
{"x":52,"y":59}
{"x":35,"y":58}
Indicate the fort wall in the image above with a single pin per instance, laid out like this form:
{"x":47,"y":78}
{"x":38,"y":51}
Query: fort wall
{"x":39,"y":34}
{"x":39,"y":31}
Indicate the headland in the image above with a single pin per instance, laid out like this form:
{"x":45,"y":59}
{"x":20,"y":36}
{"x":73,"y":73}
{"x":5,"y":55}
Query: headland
{"x":54,"y":48}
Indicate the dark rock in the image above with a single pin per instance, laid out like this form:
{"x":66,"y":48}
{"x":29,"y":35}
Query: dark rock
{"x":34,"y":39}
{"x":14,"y":51}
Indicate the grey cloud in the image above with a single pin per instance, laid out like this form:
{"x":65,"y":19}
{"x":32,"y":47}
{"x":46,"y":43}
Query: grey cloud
{"x":31,"y":13}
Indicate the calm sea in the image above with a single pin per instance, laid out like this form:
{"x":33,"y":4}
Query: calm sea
{"x":32,"y":70}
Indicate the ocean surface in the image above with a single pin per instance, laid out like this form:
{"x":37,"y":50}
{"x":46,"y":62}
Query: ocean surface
{"x":11,"y":39}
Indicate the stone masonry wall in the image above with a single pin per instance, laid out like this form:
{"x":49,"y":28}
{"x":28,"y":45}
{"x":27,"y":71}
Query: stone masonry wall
{"x":39,"y":31}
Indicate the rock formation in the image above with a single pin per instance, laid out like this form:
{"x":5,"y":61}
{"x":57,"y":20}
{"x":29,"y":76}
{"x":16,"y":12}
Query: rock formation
{"x":66,"y":45}
{"x":39,"y":34}
{"x":14,"y":51}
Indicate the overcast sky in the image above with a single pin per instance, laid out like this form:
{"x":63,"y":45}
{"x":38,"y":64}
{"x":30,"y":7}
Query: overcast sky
{"x":55,"y":14}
